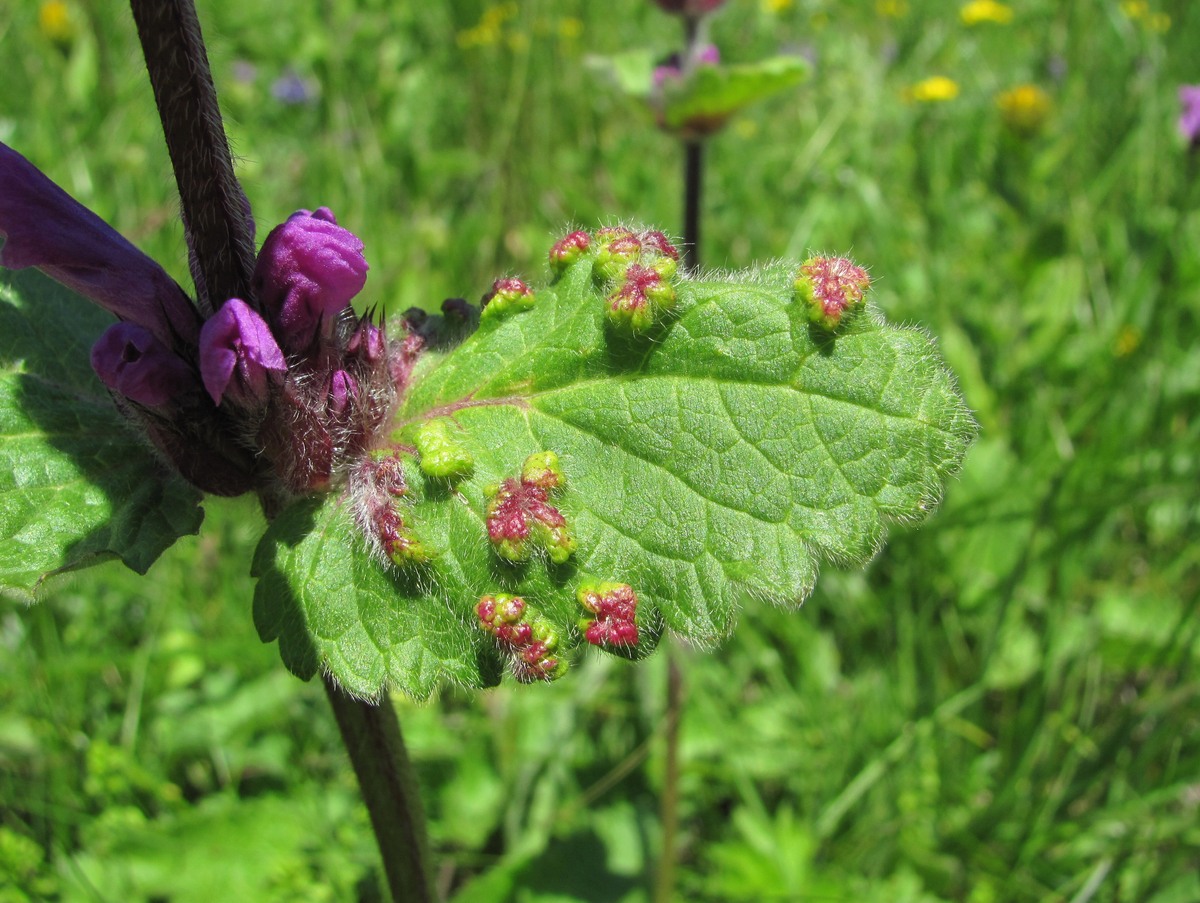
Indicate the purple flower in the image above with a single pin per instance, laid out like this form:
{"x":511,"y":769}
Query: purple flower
{"x":343,"y":389}
{"x":308,"y":270}
{"x":238,"y":355}
{"x":132,"y":362}
{"x":293,"y":89}
{"x":689,"y":7}
{"x":673,"y":66}
{"x":1189,"y":119}
{"x":46,"y":228}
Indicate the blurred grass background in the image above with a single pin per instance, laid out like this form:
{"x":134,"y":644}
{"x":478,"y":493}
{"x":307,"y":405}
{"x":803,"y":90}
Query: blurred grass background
{"x":1004,"y":707}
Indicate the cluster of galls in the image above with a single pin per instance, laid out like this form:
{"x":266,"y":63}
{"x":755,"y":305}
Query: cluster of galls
{"x":638,"y":270}
{"x":831,"y":289}
{"x":528,"y":639}
{"x":615,"y":608}
{"x":520,"y":517}
{"x":378,"y":486}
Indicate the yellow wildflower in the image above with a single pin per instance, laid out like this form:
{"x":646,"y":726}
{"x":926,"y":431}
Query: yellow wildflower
{"x":892,"y":9}
{"x":570,"y":28}
{"x":933,"y":90}
{"x":1159,"y":22}
{"x":1135,"y":9}
{"x":55,"y":22}
{"x":1128,"y":340}
{"x":778,"y":6}
{"x":979,"y":11}
{"x":1024,"y":108}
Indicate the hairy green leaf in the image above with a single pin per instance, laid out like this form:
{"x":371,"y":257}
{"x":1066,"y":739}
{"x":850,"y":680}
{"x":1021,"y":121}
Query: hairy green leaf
{"x":713,"y":459}
{"x":76,"y":485}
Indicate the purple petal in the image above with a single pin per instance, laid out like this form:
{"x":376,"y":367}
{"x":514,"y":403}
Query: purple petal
{"x":132,"y":362}
{"x":48,"y":229}
{"x":343,"y":388}
{"x":237,"y":354}
{"x":308,"y":269}
{"x":1189,"y":120}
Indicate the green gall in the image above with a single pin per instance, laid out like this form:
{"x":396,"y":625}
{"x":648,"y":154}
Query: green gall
{"x":443,"y":454}
{"x":641,"y":300}
{"x":542,"y":469}
{"x":568,"y":250}
{"x":507,"y":296}
{"x":829,"y":288}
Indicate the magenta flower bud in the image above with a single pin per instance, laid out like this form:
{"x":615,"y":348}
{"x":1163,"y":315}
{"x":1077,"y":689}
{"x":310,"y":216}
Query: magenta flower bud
{"x":367,"y":342}
{"x":1189,"y":119}
{"x":133,"y":363}
{"x":343,"y":389}
{"x":308,"y":270}
{"x":47,"y":228}
{"x":238,"y":354}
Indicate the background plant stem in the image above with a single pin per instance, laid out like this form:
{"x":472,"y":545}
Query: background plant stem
{"x":668,"y":804}
{"x":221,"y":240}
{"x":693,"y":178}
{"x":693,"y":163}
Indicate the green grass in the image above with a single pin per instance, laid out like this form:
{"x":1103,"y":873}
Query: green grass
{"x":1004,"y":707}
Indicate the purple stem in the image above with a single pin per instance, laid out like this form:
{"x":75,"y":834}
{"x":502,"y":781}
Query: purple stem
{"x":221,"y":239}
{"x":216,"y":214}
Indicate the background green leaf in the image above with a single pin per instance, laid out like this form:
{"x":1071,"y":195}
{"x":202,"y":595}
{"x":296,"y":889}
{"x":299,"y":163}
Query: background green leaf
{"x":717,"y":461}
{"x":77,"y":485}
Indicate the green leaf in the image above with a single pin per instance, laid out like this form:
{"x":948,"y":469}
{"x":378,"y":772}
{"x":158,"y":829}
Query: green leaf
{"x":77,"y":485}
{"x":709,"y":95}
{"x":714,"y":93}
{"x":714,"y":460}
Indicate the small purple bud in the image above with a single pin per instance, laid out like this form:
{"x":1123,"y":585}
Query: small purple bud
{"x":133,"y":363}
{"x":48,"y":229}
{"x":308,"y":270}
{"x":1189,"y":119}
{"x":367,"y":341}
{"x":343,"y":389}
{"x":238,"y":355}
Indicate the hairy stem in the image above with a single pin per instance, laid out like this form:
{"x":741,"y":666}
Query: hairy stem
{"x":216,"y":214}
{"x":373,"y":740}
{"x":220,"y":234}
{"x":668,"y":804}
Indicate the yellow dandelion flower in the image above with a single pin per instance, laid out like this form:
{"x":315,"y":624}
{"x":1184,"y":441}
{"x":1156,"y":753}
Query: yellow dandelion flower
{"x":1159,"y":22}
{"x":569,"y":29}
{"x":892,"y":9}
{"x":55,"y":22}
{"x":1128,"y":340}
{"x":979,"y":11}
{"x":1135,"y":9}
{"x":777,"y":6}
{"x":1024,"y":108}
{"x":933,"y":90}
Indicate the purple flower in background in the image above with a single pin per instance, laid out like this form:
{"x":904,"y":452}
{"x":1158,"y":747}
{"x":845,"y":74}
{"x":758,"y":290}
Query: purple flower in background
{"x":673,"y":66}
{"x":238,"y":354}
{"x":1189,"y":119}
{"x":47,"y":228}
{"x":132,"y":362}
{"x":689,"y":7}
{"x":308,"y":270}
{"x":293,"y":89}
